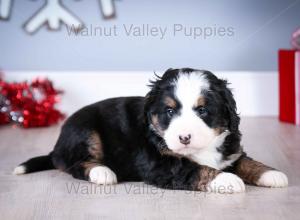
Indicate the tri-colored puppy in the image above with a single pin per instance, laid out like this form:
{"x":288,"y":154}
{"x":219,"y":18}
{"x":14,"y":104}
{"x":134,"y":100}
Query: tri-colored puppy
{"x":183,"y":135}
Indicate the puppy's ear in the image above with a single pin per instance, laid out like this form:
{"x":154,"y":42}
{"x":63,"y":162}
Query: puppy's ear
{"x":157,"y":86}
{"x":230,"y":107}
{"x":150,"y":99}
{"x":154,"y":85}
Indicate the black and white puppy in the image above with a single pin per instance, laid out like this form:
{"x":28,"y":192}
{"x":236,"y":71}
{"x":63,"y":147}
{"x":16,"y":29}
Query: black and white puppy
{"x":183,"y":135}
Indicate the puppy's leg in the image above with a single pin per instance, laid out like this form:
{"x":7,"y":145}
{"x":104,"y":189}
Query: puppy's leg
{"x":94,"y":172}
{"x":99,"y":174}
{"x":85,"y":159}
{"x":186,"y":175}
{"x":256,"y":173}
{"x":223,"y":182}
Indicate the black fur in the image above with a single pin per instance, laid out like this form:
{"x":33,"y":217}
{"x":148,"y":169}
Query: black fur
{"x":38,"y":164}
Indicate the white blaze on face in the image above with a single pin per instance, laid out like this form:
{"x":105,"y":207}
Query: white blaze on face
{"x":188,"y":89}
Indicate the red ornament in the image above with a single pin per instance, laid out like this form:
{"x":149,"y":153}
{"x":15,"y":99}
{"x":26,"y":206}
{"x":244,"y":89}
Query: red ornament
{"x":29,"y":104}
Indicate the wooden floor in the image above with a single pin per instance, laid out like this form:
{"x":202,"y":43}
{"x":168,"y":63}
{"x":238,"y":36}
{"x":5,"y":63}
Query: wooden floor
{"x":55,"y":195}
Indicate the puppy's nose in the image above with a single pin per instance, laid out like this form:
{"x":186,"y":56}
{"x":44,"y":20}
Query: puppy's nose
{"x":185,"y":139}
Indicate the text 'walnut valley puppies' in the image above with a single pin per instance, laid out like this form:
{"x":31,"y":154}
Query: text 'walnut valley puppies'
{"x":183,"y":135}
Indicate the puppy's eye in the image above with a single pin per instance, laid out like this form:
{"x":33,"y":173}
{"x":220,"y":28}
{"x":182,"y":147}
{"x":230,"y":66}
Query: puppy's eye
{"x":170,"y":112}
{"x":201,"y":110}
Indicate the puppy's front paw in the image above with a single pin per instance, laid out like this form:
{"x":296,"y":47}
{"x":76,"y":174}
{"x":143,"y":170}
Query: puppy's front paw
{"x":102,"y":175}
{"x":273,"y":178}
{"x":226,"y":183}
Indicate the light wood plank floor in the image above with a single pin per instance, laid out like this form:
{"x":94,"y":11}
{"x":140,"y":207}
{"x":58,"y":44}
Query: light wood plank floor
{"x":55,"y":195}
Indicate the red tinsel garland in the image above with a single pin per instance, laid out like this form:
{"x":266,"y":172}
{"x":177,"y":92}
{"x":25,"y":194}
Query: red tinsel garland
{"x":29,"y":104}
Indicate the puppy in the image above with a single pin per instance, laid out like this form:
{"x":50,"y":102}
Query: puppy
{"x":183,"y":135}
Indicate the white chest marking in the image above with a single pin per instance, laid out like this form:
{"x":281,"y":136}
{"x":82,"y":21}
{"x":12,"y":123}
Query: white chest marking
{"x":209,"y":156}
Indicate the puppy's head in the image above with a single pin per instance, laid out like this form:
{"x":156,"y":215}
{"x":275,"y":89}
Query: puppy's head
{"x":189,"y":109}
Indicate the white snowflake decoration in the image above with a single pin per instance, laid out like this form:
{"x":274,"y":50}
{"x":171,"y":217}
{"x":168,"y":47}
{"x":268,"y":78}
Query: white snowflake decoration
{"x":52,"y":13}
{"x":107,"y":8}
{"x":5,"y":6}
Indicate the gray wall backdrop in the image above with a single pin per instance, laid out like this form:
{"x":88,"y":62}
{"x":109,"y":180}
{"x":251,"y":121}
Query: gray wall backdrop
{"x":254,"y":31}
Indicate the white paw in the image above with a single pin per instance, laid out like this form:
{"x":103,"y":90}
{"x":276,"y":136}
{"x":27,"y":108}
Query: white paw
{"x":226,"y":183}
{"x":102,"y":175}
{"x":19,"y":170}
{"x":273,"y":178}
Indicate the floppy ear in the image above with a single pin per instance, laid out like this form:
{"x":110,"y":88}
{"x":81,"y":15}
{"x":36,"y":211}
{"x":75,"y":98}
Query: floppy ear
{"x":149,"y":100}
{"x":151,"y":96}
{"x":155,"y":86}
{"x":230,"y":106}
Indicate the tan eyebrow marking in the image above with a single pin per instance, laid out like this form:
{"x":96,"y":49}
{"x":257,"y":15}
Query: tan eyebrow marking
{"x":170,"y":102}
{"x":200,"y":102}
